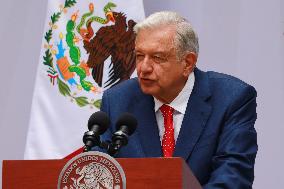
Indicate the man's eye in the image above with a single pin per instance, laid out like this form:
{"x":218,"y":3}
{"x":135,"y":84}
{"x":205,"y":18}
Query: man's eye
{"x":139,"y":57}
{"x":159,"y":59}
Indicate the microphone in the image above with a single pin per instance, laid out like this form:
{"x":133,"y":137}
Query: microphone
{"x":98,"y":124}
{"x":125,"y":125}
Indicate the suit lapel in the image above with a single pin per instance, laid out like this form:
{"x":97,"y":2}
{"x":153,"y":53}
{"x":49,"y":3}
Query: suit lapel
{"x":195,"y":118}
{"x":147,"y":126}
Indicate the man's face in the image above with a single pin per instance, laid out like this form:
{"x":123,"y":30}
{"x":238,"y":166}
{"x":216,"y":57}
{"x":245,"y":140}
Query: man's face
{"x":159,"y":71}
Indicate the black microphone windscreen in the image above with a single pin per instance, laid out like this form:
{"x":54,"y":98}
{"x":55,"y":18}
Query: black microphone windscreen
{"x":99,"y":118}
{"x":128,"y":120}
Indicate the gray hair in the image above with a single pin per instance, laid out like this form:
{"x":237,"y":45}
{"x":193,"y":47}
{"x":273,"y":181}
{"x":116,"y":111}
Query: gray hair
{"x":186,"y":40}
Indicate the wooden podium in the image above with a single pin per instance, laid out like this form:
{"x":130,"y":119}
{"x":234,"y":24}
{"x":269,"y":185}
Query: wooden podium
{"x":141,"y":173}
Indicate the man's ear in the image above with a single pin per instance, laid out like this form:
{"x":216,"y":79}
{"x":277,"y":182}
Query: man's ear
{"x":190,"y":62}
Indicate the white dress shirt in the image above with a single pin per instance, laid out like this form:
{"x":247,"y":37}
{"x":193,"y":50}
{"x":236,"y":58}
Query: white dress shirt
{"x":179,"y":104}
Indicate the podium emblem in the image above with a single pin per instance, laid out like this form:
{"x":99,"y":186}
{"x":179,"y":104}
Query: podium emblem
{"x":92,"y":170}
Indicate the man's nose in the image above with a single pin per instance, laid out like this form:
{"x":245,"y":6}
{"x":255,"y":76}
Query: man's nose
{"x":146,"y":65}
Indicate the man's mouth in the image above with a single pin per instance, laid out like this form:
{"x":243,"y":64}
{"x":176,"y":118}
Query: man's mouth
{"x":146,"y":80}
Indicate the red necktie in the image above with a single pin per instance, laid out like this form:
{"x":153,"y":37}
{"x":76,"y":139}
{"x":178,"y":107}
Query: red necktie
{"x":168,"y":142}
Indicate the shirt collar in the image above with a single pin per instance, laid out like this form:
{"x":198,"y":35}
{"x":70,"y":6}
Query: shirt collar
{"x":180,"y":102}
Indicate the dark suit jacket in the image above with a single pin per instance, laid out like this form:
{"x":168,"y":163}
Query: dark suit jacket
{"x":217,"y":137}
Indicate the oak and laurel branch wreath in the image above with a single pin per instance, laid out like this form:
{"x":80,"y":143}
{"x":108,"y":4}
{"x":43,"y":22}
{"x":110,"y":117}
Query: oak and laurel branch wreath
{"x":52,"y":73}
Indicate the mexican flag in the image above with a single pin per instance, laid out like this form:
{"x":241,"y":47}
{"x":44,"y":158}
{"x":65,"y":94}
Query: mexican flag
{"x":87,"y":47}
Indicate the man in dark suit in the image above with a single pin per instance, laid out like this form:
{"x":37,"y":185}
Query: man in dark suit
{"x":207,"y":118}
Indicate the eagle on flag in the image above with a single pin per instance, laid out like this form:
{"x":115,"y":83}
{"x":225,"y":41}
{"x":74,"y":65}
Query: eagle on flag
{"x":117,"y":41}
